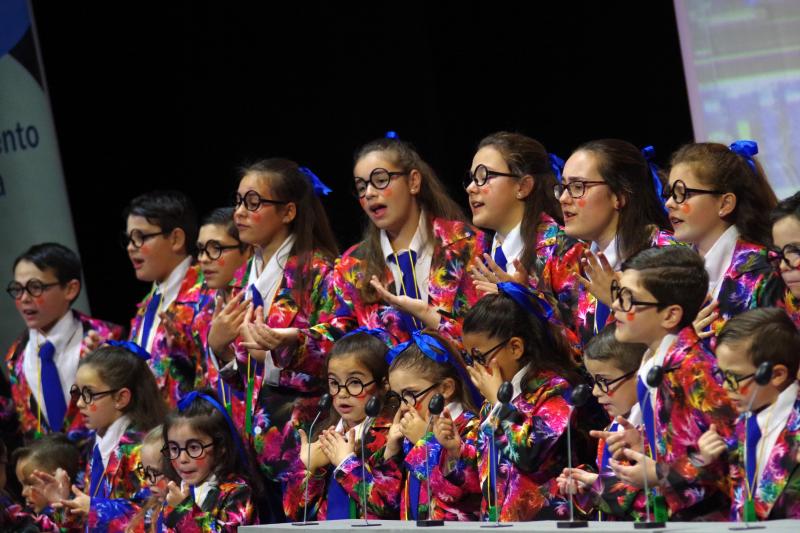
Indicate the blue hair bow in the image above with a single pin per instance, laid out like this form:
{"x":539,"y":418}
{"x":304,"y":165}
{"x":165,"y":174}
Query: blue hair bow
{"x":190,"y":398}
{"x":746,"y":149}
{"x":132,"y":347}
{"x":320,"y":189}
{"x":557,"y":164}
{"x":379,"y":333}
{"x":392,"y":135}
{"x":528,"y":300}
{"x":649,"y":153}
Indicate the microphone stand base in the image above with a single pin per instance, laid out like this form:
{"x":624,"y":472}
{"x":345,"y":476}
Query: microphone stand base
{"x":430,"y":523}
{"x":648,"y":525}
{"x":305,"y":523}
{"x":496,"y":524}
{"x":745,"y":527}
{"x":366,"y":524}
{"x":572,"y":524}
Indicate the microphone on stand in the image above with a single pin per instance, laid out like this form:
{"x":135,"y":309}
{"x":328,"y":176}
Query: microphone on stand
{"x":435,"y":408}
{"x":324,"y":406}
{"x":762,"y":376}
{"x":654,"y":379}
{"x":580,"y":395}
{"x":372,"y":409}
{"x":489,"y":426}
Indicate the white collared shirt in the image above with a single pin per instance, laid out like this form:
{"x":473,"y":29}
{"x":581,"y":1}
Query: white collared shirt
{"x":719,"y":258}
{"x":650,"y":360}
{"x":777,"y":415}
{"x":201,"y":491}
{"x":66,"y":336}
{"x":455,"y":409}
{"x":511,"y":244}
{"x":267,"y":279}
{"x":421,"y":244}
{"x":357,"y":432}
{"x":516,"y":381}
{"x":110,"y":441}
{"x":169,"y":290}
{"x":610,"y":252}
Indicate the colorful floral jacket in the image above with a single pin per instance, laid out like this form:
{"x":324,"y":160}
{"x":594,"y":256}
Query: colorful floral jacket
{"x":225,"y":508}
{"x":27,"y":408}
{"x":792,"y":306}
{"x":455,"y":246}
{"x":177,"y":361}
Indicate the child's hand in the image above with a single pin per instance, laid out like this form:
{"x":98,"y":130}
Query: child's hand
{"x":598,"y":276}
{"x":485,"y":279}
{"x":173,"y":333}
{"x":633,"y":474}
{"x":176,"y":496}
{"x":412,"y":425}
{"x":262,"y":337}
{"x":245,"y":332}
{"x":79,"y":505}
{"x":444,"y":429}
{"x":91,"y":341}
{"x":318,"y":458}
{"x":487,"y":380}
{"x":52,"y":488}
{"x":711,"y":445}
{"x":395,"y":437}
{"x":582,"y":481}
{"x":226,"y":322}
{"x":706,"y":316}
{"x":336,"y":447}
{"x":419,"y":309}
{"x":617,"y":441}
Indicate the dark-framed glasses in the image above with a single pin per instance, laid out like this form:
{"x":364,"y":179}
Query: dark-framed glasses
{"x":253,"y":201}
{"x":87,"y":395}
{"x":731,"y":379}
{"x":213,"y":249}
{"x":34,"y":287}
{"x":679,"y":192}
{"x":624,"y":296}
{"x":379,"y":178}
{"x":194,"y":449}
{"x":789,"y":255}
{"x":575,"y":188}
{"x":482,"y":358}
{"x":407,"y":397}
{"x":354,"y":387}
{"x":482,"y":174}
{"x":605,"y":384}
{"x":148,"y":473}
{"x":137,"y":238}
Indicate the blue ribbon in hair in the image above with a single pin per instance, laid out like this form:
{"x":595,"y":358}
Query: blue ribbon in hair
{"x":746,"y":149}
{"x":320,"y":189}
{"x":190,"y":398}
{"x":132,"y":347}
{"x":392,"y":135}
{"x":435,"y":350}
{"x":379,"y":333}
{"x":528,"y":300}
{"x":649,"y":153}
{"x":557,"y":164}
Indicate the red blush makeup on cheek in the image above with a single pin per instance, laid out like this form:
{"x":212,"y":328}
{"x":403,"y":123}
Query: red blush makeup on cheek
{"x":581,"y":202}
{"x":387,"y":193}
{"x":144,"y":249}
{"x":630,"y":317}
{"x":686,"y":208}
{"x":93,"y":408}
{"x":18,"y":304}
{"x":39,"y":300}
{"x":362,"y":202}
{"x":256,"y":217}
{"x":221,"y":261}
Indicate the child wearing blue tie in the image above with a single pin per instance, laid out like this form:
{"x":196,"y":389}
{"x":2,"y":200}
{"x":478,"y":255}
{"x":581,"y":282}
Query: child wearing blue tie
{"x":42,"y":362}
{"x":764,"y":472}
{"x":160,"y":236}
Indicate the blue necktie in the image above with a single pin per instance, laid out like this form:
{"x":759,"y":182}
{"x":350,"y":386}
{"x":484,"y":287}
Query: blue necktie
{"x":149,"y":318}
{"x":601,"y":316}
{"x":338,"y":501}
{"x":406,"y":262}
{"x":648,"y":418}
{"x":500,"y":257}
{"x":753,"y":436}
{"x":606,"y":455}
{"x":256,"y":298}
{"x":97,"y":471}
{"x":53,"y":394}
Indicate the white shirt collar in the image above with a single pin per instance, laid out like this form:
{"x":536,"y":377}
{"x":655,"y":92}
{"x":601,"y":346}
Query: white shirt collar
{"x":511,"y":244}
{"x":419,"y":241}
{"x":109,"y":442}
{"x":516,"y":381}
{"x":455,"y":409}
{"x":201,"y":491}
{"x":777,"y":415}
{"x":66,"y":336}
{"x":658,"y":358}
{"x":172,"y":285}
{"x":267,"y":277}
{"x":610,"y":252}
{"x":719,"y":258}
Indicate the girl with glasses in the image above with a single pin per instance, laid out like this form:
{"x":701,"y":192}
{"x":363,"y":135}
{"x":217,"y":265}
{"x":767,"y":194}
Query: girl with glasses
{"x":356,"y":371}
{"x":150,"y":518}
{"x":118,"y":396}
{"x":410,"y":270}
{"x":719,"y":201}
{"x":420,"y":368}
{"x":785,"y":220}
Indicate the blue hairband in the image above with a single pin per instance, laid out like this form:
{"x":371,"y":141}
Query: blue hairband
{"x":320,"y":189}
{"x":649,"y":153}
{"x":392,"y":135}
{"x":435,"y":350}
{"x":528,"y":300}
{"x":132,"y":347}
{"x":746,"y":149}
{"x":379,"y":333}
{"x":557,"y":164}
{"x":187,"y":400}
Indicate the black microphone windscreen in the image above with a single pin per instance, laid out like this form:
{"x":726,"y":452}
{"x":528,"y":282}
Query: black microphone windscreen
{"x":325,"y":402}
{"x":373,"y":407}
{"x":763,"y":373}
{"x":580,"y":395}
{"x":505,"y":392}
{"x":436,"y":405}
{"x":655,"y":376}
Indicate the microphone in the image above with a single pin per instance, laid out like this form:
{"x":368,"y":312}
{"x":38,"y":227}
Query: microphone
{"x":654,"y":378}
{"x":762,"y":376}
{"x":372,"y":410}
{"x":578,"y":397}
{"x":324,"y":406}
{"x":435,"y":408}
{"x":499,"y":412}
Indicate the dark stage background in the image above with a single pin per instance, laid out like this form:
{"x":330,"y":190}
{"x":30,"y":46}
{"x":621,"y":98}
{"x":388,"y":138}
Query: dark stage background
{"x":179,"y":96}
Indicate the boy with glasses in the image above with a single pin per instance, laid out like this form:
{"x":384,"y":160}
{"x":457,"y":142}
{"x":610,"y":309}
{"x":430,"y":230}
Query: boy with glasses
{"x":161,"y":232}
{"x":43,"y":361}
{"x":765,"y":486}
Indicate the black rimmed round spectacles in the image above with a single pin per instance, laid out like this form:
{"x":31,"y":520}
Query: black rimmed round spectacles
{"x":408,"y":397}
{"x":679,"y":192}
{"x":34,"y":287}
{"x":482,"y":358}
{"x":789,"y":255}
{"x":253,"y":201}
{"x":213,"y":249}
{"x":605,"y":384}
{"x":148,"y":473}
{"x":482,"y":174}
{"x":624,"y":296}
{"x":137,"y":238}
{"x":194,"y":449}
{"x":731,"y":379}
{"x":87,"y":395}
{"x":379,"y":178}
{"x":575,"y":188}
{"x":354,"y":387}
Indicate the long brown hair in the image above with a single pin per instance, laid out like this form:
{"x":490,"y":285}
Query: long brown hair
{"x":310,"y":226}
{"x":432,"y":198}
{"x":627,"y":173}
{"x":528,"y":157}
{"x":717,"y":167}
